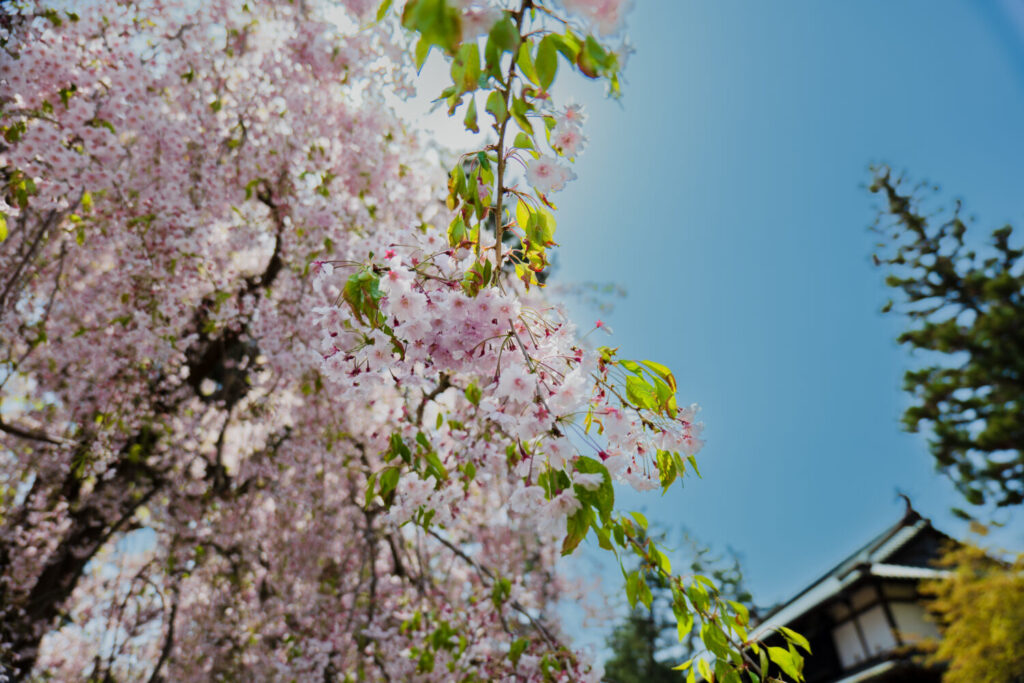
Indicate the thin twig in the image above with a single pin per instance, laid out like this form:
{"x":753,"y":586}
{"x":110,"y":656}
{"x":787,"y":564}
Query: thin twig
{"x":33,"y":435}
{"x":165,"y":652}
{"x":485,"y":572}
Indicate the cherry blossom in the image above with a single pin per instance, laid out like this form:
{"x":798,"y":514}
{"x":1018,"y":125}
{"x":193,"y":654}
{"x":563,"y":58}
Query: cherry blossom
{"x":606,"y":15}
{"x":268,"y":408}
{"x":547,"y":175}
{"x":568,"y":140}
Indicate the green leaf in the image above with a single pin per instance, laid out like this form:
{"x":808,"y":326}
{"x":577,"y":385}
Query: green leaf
{"x":422,"y":50}
{"x":465,"y":70}
{"x":592,"y":59}
{"x":641,"y":394}
{"x":632,"y":579}
{"x":705,"y":581}
{"x":729,"y":675}
{"x":795,"y":638}
{"x":457,"y":232}
{"x":398,"y":449}
{"x":52,"y":15}
{"x":546,"y":62}
{"x":662,"y":561}
{"x":66,"y":93}
{"x":577,"y":526}
{"x":644,"y":594}
{"x":704,"y":668}
{"x":492,"y":60}
{"x":436,"y":22}
{"x":568,"y":44}
{"x":525,"y":63}
{"x":684,"y":624}
{"x":476,"y":277}
{"x":470,"y":120}
{"x":362,"y":294}
{"x":640,"y":519}
{"x":666,"y":398}
{"x":3,"y":226}
{"x":496,"y":107}
{"x":698,"y":596}
{"x":596,"y":52}
{"x":523,"y":213}
{"x":662,"y":372}
{"x":517,"y":649}
{"x":500,"y":591}
{"x":604,"y":496}
{"x":714,"y":639}
{"x":523,"y":141}
{"x":504,"y":35}
{"x":667,"y":469}
{"x":370,"y":482}
{"x":423,"y":442}
{"x":685,"y":665}
{"x":388,"y":480}
{"x":790,"y":664}
{"x":519,"y":110}
{"x":543,"y":228}
{"x":434,"y":466}
{"x":457,"y":181}
{"x":693,"y":463}
{"x":741,"y":611}
{"x":383,"y":9}
{"x":632,"y":366}
{"x":474,"y":394}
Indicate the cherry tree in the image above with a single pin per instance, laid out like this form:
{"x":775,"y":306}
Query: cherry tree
{"x":282,"y":398}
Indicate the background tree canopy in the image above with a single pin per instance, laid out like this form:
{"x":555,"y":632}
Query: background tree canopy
{"x":964,"y":304}
{"x":980,"y":609}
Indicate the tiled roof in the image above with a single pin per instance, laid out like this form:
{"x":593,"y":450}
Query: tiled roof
{"x":868,"y":559}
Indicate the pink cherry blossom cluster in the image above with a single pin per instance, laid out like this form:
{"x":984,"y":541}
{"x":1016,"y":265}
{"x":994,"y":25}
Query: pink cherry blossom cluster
{"x":232,"y":329}
{"x":546,"y":173}
{"x":567,"y":136}
{"x":606,"y":16}
{"x":477,"y":17}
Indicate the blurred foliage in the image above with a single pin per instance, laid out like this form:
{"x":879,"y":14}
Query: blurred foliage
{"x":964,"y":306}
{"x":646,"y":644}
{"x":980,"y":610}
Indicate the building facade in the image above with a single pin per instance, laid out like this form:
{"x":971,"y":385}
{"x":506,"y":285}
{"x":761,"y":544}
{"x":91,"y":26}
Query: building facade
{"x":865,"y":618}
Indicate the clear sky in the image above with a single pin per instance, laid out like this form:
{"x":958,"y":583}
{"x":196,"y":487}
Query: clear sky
{"x":727,"y":194}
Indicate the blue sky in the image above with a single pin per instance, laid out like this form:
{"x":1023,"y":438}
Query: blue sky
{"x":727,"y":194}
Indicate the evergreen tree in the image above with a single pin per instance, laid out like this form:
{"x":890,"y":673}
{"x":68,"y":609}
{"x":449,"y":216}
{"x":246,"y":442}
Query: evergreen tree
{"x":965,"y":309}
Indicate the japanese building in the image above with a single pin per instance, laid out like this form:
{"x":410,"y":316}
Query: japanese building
{"x":864,"y":617}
